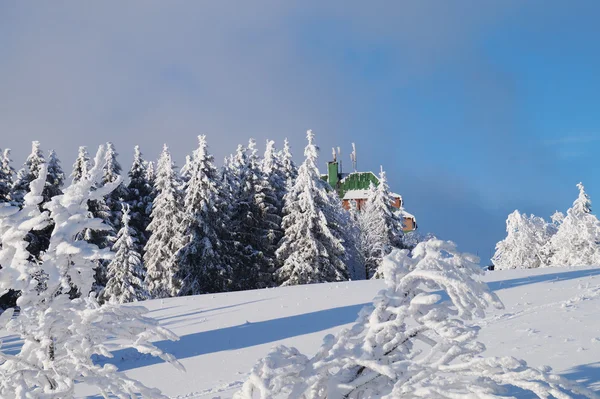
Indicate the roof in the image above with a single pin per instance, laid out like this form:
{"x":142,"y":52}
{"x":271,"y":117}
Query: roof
{"x":405,"y":214}
{"x":363,"y":194}
{"x":356,"y":194}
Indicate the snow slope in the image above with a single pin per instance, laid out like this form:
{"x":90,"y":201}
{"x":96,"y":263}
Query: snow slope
{"x":552,"y":317}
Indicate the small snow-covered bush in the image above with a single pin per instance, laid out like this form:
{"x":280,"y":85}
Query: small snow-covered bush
{"x":414,"y":342}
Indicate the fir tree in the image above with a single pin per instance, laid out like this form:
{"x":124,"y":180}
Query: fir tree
{"x":255,"y":221}
{"x":28,"y":173}
{"x":577,"y":241}
{"x":81,"y":165}
{"x":6,"y":176}
{"x":200,"y":264}
{"x":163,"y":242}
{"x":112,"y":172}
{"x":288,"y":164}
{"x":150,"y":173}
{"x":310,"y":251}
{"x":55,"y":179}
{"x":125,"y":271}
{"x":139,"y":196}
{"x":275,"y":173}
{"x":381,"y":228}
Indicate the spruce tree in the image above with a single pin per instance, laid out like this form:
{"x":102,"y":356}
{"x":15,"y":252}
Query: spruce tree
{"x":577,"y":241}
{"x":275,"y":173}
{"x":6,"y":176}
{"x":112,"y":171}
{"x":28,"y":173}
{"x":310,"y":251}
{"x":81,"y":165}
{"x":255,"y":222}
{"x":55,"y":179}
{"x":163,"y":228}
{"x":291,"y":171}
{"x":200,"y":264}
{"x":125,"y":270}
{"x":139,"y":196}
{"x":381,"y":228}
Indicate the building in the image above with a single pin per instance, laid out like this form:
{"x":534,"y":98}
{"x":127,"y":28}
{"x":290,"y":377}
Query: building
{"x":355,"y":187}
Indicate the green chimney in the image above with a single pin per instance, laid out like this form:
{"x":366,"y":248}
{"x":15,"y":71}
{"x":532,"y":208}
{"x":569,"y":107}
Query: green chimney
{"x":333,"y":176}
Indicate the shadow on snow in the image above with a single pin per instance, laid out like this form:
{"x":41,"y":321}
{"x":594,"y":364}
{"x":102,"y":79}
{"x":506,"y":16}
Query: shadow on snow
{"x":237,"y":337}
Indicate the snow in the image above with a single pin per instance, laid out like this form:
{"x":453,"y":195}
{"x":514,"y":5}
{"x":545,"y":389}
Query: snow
{"x":356,"y":194}
{"x":551,"y":317}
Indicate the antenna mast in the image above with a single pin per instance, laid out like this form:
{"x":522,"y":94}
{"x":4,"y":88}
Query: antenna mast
{"x":353,"y":156}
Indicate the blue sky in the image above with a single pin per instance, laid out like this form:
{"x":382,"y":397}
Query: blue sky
{"x":474,"y":108}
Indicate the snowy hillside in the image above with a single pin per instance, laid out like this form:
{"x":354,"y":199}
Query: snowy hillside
{"x":552,"y":317}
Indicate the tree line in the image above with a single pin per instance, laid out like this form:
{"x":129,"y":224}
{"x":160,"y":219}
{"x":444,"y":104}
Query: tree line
{"x":567,"y":240}
{"x":256,"y":222}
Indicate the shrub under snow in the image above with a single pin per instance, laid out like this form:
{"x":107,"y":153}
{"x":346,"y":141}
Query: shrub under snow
{"x":414,"y":342}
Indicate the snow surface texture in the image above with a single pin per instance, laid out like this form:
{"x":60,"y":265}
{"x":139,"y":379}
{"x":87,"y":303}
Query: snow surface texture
{"x":551,"y":317}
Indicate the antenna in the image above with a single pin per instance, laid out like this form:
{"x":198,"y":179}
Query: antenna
{"x":353,"y":156}
{"x":334,"y":154}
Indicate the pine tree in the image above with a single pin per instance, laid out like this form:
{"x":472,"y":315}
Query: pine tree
{"x":163,"y":242}
{"x":139,"y":197}
{"x":6,"y":176}
{"x":381,"y":228}
{"x":81,"y":165}
{"x":28,"y":173}
{"x":410,"y":343}
{"x":577,"y":241}
{"x":199,"y":261}
{"x":62,"y":336}
{"x":125,"y":270}
{"x":310,"y":251}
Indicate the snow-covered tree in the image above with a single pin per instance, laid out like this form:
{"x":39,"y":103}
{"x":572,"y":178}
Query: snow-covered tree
{"x":125,"y":270}
{"x":150,"y":173}
{"x":577,"y":241}
{"x":6,"y":176}
{"x":310,"y":250}
{"x":200,"y":265}
{"x":522,"y":247}
{"x":415,"y":341}
{"x":55,"y":179}
{"x":185,"y":173}
{"x":163,"y":242}
{"x":139,"y":196}
{"x":291,"y":171}
{"x":255,"y":217}
{"x":28,"y":173}
{"x":81,"y":165}
{"x":60,"y":335}
{"x":380,"y":227}
{"x":112,"y":172}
